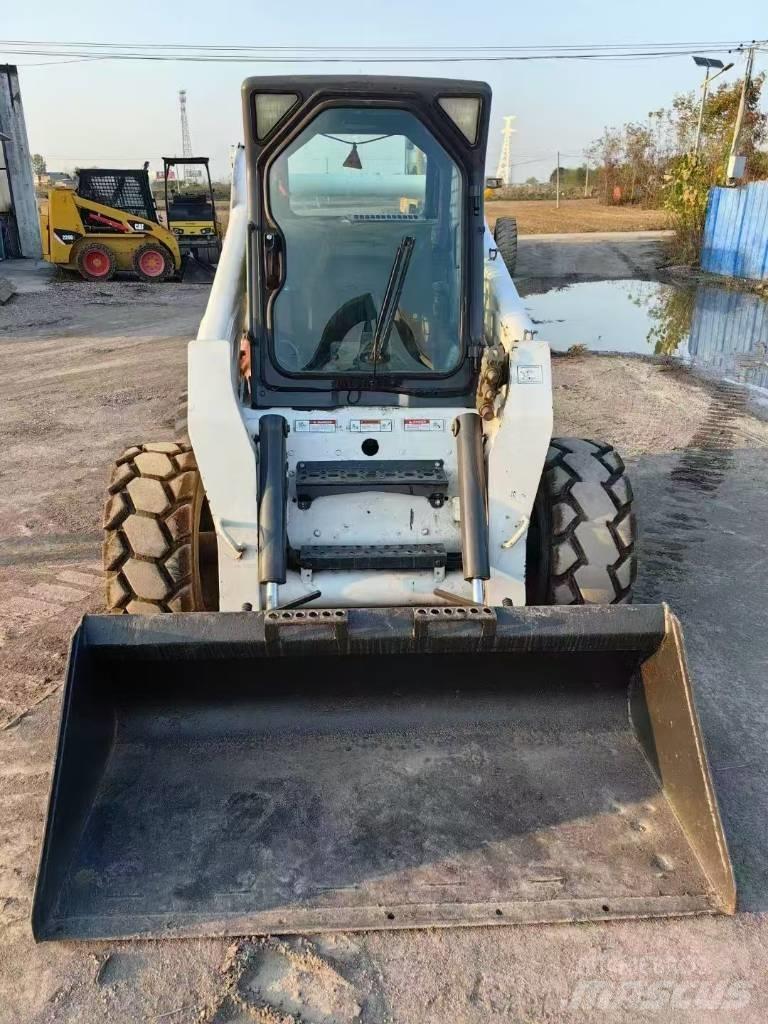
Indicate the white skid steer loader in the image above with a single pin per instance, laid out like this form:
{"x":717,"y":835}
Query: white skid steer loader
{"x":363,"y":723}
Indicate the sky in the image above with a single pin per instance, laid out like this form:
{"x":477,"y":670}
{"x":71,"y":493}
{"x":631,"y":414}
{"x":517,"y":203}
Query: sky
{"x":122,"y":113}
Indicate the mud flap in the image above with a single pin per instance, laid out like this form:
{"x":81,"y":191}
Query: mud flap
{"x":314,"y":770}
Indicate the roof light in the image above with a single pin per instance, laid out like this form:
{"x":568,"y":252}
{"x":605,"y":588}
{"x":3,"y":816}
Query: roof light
{"x":464,"y":111}
{"x":271,"y":107}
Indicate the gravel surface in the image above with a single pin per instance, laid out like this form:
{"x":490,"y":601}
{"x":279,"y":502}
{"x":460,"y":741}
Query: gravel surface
{"x":89,"y":380}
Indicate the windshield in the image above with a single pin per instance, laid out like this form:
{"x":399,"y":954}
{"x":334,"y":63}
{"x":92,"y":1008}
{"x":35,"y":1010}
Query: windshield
{"x":370,"y":208}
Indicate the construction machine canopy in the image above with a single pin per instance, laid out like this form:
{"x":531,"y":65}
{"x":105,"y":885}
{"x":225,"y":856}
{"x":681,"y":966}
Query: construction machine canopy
{"x":122,"y":189}
{"x":366,"y":203}
{"x":187,"y":161}
{"x":193,"y":198}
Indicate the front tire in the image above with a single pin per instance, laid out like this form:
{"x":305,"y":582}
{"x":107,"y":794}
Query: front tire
{"x":160,"y":551}
{"x":581,"y":544}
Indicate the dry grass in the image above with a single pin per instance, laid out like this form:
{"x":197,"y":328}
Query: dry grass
{"x":541,"y":216}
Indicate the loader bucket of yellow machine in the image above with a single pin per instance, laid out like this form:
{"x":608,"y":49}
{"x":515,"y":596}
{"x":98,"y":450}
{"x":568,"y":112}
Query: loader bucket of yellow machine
{"x":388,"y":768}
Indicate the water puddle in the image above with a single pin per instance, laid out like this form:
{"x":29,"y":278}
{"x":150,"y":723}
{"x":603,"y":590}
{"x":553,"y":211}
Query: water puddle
{"x":717,"y":331}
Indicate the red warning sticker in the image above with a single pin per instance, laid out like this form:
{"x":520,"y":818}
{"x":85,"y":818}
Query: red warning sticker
{"x":423,"y":424}
{"x":370,"y":426}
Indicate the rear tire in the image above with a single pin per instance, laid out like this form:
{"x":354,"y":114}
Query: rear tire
{"x":581,"y":544}
{"x":160,"y":551}
{"x":96,"y":262}
{"x":505,"y":236}
{"x":153,"y":263}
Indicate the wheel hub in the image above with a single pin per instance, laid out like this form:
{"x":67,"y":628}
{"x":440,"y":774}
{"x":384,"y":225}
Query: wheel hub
{"x":152,"y":263}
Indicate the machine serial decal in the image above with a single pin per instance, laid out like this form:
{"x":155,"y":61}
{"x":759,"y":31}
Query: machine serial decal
{"x":530,"y":375}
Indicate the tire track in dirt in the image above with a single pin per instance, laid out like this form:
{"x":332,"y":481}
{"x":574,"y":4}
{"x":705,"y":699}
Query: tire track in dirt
{"x":682,"y":522}
{"x":39,"y":609}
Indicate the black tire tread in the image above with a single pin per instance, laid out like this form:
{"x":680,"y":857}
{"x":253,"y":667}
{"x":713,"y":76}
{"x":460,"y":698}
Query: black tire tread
{"x":505,"y":236}
{"x":590,"y":498}
{"x":148,"y":537}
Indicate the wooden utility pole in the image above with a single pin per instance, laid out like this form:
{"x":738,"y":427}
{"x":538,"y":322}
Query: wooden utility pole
{"x":557,"y":182}
{"x":740,"y":113}
{"x":586,"y":183}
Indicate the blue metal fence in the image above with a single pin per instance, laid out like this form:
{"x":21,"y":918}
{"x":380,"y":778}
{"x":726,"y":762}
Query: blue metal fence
{"x":736,"y":232}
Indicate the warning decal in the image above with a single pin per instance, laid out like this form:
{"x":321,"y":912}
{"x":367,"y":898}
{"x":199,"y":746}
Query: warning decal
{"x":370,"y":426}
{"x":315,"y":426}
{"x":423,"y":424}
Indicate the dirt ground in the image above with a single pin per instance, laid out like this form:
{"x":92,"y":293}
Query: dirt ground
{"x":87,"y":370}
{"x":541,"y":216}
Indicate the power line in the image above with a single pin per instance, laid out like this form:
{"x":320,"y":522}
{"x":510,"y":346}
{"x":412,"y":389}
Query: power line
{"x":77,"y":51}
{"x":369,"y":48}
{"x":261,"y":59}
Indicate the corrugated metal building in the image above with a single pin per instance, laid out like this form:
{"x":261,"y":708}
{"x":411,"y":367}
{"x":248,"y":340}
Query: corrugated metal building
{"x":19,"y":222}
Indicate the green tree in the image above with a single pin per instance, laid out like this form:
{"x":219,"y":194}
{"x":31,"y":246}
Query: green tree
{"x":717,"y":126}
{"x":570,"y":177}
{"x":606,"y":154}
{"x":38,"y":164}
{"x":639,"y":157}
{"x":686,"y":190}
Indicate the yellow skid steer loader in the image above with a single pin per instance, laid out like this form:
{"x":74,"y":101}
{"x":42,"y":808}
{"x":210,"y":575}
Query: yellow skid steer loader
{"x":370,"y":660}
{"x":108,"y":223}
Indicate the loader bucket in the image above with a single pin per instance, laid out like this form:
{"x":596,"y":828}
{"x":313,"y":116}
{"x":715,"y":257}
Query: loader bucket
{"x":389,"y":768}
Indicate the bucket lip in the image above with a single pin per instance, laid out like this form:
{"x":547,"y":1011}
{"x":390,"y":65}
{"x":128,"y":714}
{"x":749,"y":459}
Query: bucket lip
{"x":607,"y":629}
{"x":389,"y":917}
